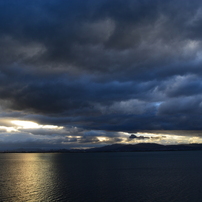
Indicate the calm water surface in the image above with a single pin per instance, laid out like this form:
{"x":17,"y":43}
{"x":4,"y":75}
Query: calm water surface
{"x":146,"y":176}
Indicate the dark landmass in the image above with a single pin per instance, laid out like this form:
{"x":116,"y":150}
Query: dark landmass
{"x":142,"y":147}
{"x":146,"y":147}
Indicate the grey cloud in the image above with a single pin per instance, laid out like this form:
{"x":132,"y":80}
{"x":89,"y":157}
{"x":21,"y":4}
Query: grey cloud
{"x":185,"y":105}
{"x":133,"y":136}
{"x":138,"y":137}
{"x":185,"y":85}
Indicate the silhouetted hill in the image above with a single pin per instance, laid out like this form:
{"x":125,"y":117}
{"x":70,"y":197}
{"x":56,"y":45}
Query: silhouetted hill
{"x":119,"y":148}
{"x":145,"y":147}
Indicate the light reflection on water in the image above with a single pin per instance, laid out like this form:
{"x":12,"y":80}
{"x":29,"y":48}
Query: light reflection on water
{"x":146,"y":176}
{"x":27,"y":177}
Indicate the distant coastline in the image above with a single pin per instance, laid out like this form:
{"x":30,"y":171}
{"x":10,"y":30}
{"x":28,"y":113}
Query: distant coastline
{"x":141,"y":147}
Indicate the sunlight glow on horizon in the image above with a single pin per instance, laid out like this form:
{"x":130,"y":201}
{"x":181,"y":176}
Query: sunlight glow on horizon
{"x":8,"y":129}
{"x":102,"y":139}
{"x":14,"y":129}
{"x":33,"y":125}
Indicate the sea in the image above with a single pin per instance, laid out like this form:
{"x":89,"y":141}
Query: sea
{"x":101,"y":177}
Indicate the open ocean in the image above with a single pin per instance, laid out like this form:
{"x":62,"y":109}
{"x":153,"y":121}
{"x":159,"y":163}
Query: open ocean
{"x":138,"y":176}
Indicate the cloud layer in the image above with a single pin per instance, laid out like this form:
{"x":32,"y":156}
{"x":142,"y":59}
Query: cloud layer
{"x":107,"y":65}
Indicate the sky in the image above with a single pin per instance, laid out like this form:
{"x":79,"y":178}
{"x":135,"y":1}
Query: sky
{"x":80,"y":74}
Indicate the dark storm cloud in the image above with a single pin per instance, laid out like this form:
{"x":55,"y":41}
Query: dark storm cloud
{"x":95,"y":37}
{"x":182,"y":106}
{"x":105,"y":65}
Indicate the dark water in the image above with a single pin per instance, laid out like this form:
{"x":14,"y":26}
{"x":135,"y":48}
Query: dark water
{"x":146,"y":176}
